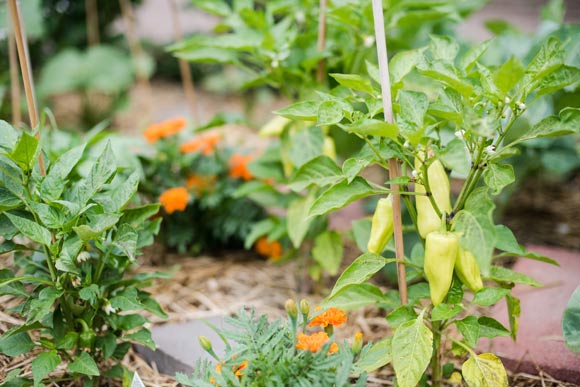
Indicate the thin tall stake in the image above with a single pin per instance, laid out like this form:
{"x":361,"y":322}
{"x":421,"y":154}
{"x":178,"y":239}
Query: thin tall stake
{"x":321,"y":39}
{"x":136,"y":50}
{"x":15,"y":91}
{"x":25,"y":69}
{"x":393,"y":164}
{"x":92,"y":14}
{"x":184,"y":69}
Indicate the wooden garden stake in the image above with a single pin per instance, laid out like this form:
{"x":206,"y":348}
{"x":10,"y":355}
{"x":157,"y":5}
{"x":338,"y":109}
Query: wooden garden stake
{"x":393,"y":164}
{"x":25,"y":68}
{"x":15,"y":91}
{"x":92,"y":13}
{"x":184,"y":69}
{"x":321,"y":38}
{"x":136,"y":50}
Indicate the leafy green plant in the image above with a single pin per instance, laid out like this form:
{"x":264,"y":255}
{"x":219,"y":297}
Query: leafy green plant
{"x":280,"y":353}
{"x":571,"y":322}
{"x":452,"y":111}
{"x":71,"y":239}
{"x":194,"y":178}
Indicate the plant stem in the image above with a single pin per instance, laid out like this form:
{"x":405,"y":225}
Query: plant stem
{"x":92,"y":15}
{"x":321,"y":39}
{"x":379,"y":24}
{"x":436,"y":360}
{"x":25,"y":69}
{"x":15,"y":91}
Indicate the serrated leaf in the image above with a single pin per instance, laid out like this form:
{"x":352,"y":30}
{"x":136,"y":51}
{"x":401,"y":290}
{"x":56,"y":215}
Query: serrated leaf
{"x":489,"y":296}
{"x":362,"y":268}
{"x":485,"y":370}
{"x":378,"y":355}
{"x":412,"y":349}
{"x":320,"y":171}
{"x":43,"y":364}
{"x":84,"y":364}
{"x":30,"y":229}
{"x":498,"y":176}
{"x":342,"y":194}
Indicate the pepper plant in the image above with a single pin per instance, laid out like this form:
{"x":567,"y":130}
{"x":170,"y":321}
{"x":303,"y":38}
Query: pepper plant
{"x":454,"y":116}
{"x":69,"y":240}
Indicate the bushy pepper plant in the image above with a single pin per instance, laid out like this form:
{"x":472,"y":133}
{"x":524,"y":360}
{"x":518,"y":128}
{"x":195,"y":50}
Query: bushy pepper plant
{"x":69,"y":240}
{"x":453,"y":115}
{"x":194,"y":178}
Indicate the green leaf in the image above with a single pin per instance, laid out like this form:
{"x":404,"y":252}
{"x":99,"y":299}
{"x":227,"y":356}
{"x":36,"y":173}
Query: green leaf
{"x":298,"y":220}
{"x":91,"y":294}
{"x":443,"y":47}
{"x":372,"y":127}
{"x":376,"y":357}
{"x":138,"y":215}
{"x":455,"y":157}
{"x":42,"y":306}
{"x":567,"y":123}
{"x":259,"y":229}
{"x":445,"y":312}
{"x":126,"y":239}
{"x":126,"y":300}
{"x":356,"y":296}
{"x":8,"y":135}
{"x":412,"y":349}
{"x":506,"y":241}
{"x":489,"y":296}
{"x":447,"y":74}
{"x":305,"y":110}
{"x":342,"y":194}
{"x":116,"y":199}
{"x":550,"y":57}
{"x":559,"y":79}
{"x":472,"y":55}
{"x":25,"y":152}
{"x":30,"y":229}
{"x":485,"y":370}
{"x":353,"y":166}
{"x":62,"y":167}
{"x":355,"y":82}
{"x":43,"y":364}
{"x":571,"y":322}
{"x":328,"y":251}
{"x":215,"y":7}
{"x":476,"y":225}
{"x":305,"y":145}
{"x":491,"y":328}
{"x":107,"y":343}
{"x":95,"y":229}
{"x":142,"y":336}
{"x":101,"y":172}
{"x":469,"y":328}
{"x":8,"y":200}
{"x":503,"y":274}
{"x":508,"y":74}
{"x":514,"y":312}
{"x":362,"y":268}
{"x":320,"y":171}
{"x":401,"y":315}
{"x":413,"y":107}
{"x":85,"y":365}
{"x":16,"y":345}
{"x":330,"y":113}
{"x":403,"y":63}
{"x":497,"y":176}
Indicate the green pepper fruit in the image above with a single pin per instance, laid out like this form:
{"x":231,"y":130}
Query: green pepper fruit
{"x":441,"y":250}
{"x":382,"y":226}
{"x":427,"y":219}
{"x":467,"y":270}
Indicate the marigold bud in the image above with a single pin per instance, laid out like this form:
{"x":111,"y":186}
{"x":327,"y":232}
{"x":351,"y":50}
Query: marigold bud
{"x":357,"y":343}
{"x":291,"y":308}
{"x":205,"y":343}
{"x":304,"y":307}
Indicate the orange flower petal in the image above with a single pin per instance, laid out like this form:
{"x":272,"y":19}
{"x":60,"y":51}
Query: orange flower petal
{"x":332,"y":316}
{"x":174,"y":199}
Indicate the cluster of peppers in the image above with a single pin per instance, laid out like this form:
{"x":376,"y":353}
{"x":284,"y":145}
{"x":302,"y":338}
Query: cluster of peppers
{"x":443,"y":253}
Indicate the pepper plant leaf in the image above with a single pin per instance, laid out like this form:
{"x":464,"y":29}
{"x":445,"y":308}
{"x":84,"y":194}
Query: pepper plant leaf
{"x":412,"y":350}
{"x":342,"y":194}
{"x":485,"y":370}
{"x":362,"y":268}
{"x":571,"y":322}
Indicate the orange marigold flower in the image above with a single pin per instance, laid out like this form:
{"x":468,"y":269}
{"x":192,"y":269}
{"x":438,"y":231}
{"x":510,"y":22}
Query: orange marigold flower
{"x":200,"y":184}
{"x":312,"y":342}
{"x":174,"y":199}
{"x":239,"y":167}
{"x":333,"y":348}
{"x":204,"y":144}
{"x":239,"y":369}
{"x":332,"y":316}
{"x":272,"y":250}
{"x":164,"y":129}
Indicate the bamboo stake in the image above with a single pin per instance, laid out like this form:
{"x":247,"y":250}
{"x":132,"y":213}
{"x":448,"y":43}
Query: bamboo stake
{"x":184,"y":69}
{"x":136,"y":50}
{"x":15,"y":92}
{"x":321,"y":39}
{"x":92,"y":14}
{"x":25,"y":68}
{"x":393,"y":164}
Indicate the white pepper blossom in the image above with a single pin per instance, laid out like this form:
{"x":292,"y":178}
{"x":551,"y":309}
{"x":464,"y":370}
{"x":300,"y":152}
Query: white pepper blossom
{"x":490,"y":150}
{"x":108,"y":309}
{"x":460,"y":133}
{"x":83,"y":256}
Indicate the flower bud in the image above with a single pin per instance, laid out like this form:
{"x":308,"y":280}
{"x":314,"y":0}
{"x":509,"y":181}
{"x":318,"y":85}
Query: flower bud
{"x":205,"y":343}
{"x":291,"y":309}
{"x":357,"y":344}
{"x":507,"y":100}
{"x":304,"y":307}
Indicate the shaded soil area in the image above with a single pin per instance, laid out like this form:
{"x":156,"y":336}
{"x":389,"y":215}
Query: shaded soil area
{"x":546,"y":213}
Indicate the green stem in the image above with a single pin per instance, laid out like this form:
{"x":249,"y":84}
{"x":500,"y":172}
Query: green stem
{"x":464,"y":347}
{"x":101,"y":266}
{"x":436,"y":360}
{"x":428,"y":191}
{"x":467,"y":186}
